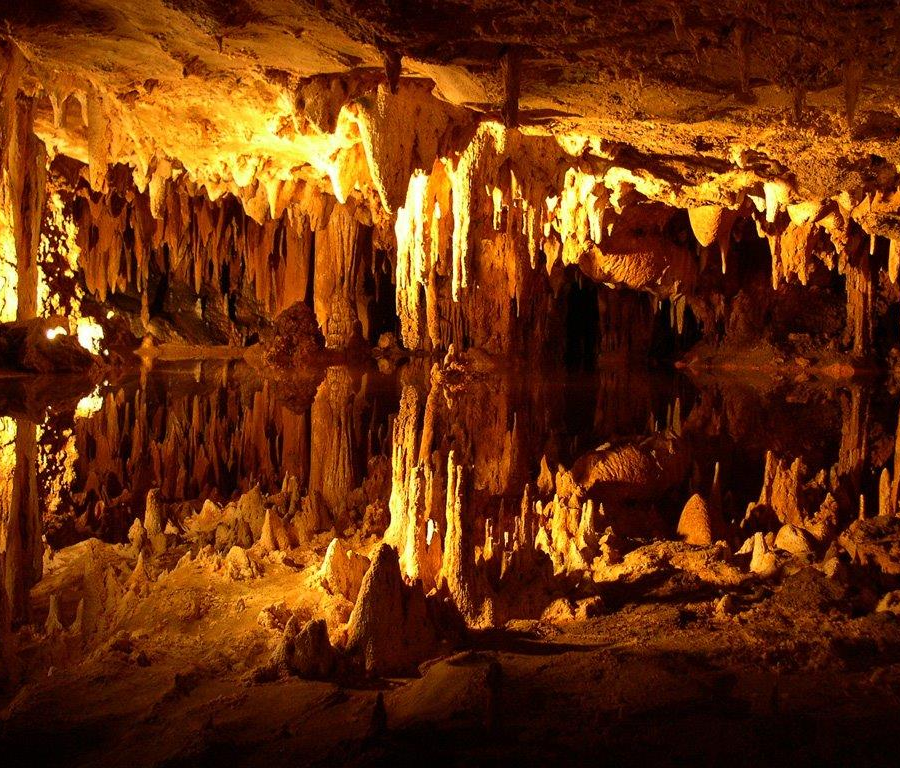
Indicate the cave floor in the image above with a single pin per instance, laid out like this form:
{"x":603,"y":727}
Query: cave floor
{"x":786,"y":675}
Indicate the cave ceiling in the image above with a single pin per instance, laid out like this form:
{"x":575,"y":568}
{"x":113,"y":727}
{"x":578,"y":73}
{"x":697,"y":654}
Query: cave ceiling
{"x":700,"y":100}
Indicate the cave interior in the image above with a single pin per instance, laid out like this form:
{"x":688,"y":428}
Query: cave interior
{"x":485,"y":382}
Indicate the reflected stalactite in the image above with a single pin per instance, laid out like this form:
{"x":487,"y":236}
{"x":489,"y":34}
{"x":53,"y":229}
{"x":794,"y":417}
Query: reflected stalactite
{"x":219,"y":437}
{"x":20,"y":520}
{"x":333,"y":473}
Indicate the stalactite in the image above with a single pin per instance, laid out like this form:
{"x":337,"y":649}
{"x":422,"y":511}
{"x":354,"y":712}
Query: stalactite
{"x":340,"y":263}
{"x":99,"y":135}
{"x":511,"y":70}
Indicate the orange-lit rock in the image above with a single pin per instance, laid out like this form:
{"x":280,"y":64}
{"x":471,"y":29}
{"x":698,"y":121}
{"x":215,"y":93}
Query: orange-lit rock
{"x":426,"y":364}
{"x":389,"y":629}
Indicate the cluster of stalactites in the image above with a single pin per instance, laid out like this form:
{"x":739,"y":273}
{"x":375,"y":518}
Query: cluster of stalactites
{"x":477,"y":210}
{"x":194,"y":239}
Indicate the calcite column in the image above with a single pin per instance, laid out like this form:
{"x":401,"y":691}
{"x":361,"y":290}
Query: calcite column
{"x":20,"y":524}
{"x":26,"y":176}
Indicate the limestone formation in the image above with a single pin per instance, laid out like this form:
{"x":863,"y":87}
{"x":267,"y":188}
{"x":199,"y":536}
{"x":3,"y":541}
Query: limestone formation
{"x":762,"y":560}
{"x":699,"y":524}
{"x":334,"y":334}
{"x":239,"y":566}
{"x":390,"y":630}
{"x":343,"y":570}
{"x":53,"y":626}
{"x":305,"y":651}
{"x":275,"y":535}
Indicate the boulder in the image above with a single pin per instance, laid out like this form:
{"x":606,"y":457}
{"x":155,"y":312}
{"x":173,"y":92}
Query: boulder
{"x":37,"y":346}
{"x":793,"y":540}
{"x":239,"y":566}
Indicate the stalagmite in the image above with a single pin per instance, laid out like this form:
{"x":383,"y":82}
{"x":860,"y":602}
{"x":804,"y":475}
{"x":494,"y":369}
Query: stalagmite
{"x":342,"y":570}
{"x":154,"y":522}
{"x":763,"y":561}
{"x":53,"y":626}
{"x":700,"y":523}
{"x":275,"y":535}
{"x":389,"y":628}
{"x":884,"y":493}
{"x":153,"y":513}
{"x":140,"y":577}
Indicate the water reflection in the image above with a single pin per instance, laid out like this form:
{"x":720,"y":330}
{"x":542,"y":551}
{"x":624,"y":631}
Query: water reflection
{"x":78,"y":462}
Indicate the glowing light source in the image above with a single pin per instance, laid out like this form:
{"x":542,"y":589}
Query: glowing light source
{"x":52,"y":333}
{"x":89,"y":405}
{"x":90,"y":334}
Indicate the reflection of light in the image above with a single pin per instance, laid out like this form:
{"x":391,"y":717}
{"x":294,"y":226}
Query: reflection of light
{"x":430,"y":530}
{"x":89,"y":405}
{"x":52,"y":333}
{"x":90,"y":334}
{"x":7,"y":470}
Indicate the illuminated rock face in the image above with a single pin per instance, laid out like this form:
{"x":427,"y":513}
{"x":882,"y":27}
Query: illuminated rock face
{"x":319,"y":266}
{"x":215,"y":168}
